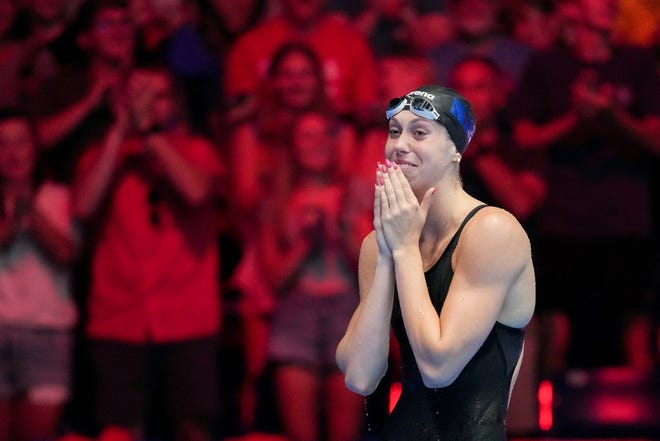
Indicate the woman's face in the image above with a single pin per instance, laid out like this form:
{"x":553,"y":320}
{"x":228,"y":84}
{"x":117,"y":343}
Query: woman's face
{"x":313,"y":143}
{"x":17,"y":150}
{"x":295,"y":81}
{"x":422,"y":148}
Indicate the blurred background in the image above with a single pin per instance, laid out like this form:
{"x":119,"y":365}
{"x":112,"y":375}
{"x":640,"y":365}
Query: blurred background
{"x":186,"y":184}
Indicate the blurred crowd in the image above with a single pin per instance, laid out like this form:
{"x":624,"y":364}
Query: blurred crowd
{"x":185,"y":185}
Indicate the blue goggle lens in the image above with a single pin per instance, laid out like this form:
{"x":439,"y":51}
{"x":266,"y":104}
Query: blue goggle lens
{"x":417,"y":105}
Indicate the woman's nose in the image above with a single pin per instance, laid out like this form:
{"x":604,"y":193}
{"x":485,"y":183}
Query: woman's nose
{"x":401,"y":144}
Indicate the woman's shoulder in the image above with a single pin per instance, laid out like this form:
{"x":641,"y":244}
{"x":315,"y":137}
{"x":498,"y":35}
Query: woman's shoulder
{"x":493,"y":230}
{"x":495,"y":220}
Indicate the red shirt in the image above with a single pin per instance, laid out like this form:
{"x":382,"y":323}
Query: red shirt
{"x":348,"y":61}
{"x":155,"y":282}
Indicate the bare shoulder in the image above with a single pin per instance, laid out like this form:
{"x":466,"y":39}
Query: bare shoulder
{"x":497,"y":225}
{"x":494,"y":235}
{"x":494,"y":250}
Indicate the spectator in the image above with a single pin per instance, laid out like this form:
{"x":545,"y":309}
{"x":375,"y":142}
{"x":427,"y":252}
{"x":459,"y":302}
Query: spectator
{"x":294,"y":86}
{"x":37,"y":312}
{"x":173,"y":36}
{"x":45,"y":23}
{"x":224,"y":21}
{"x":221,"y":23}
{"x":591,"y":107}
{"x":349,"y":74}
{"x":148,"y":193}
{"x":309,"y":248}
{"x":399,"y":27}
{"x":74,"y":108}
{"x":478,"y":32}
{"x":535,"y":23}
{"x":494,"y":170}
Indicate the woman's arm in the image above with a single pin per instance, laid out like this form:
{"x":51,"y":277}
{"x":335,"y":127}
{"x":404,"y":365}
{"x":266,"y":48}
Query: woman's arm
{"x":282,"y":259}
{"x":363,"y":352}
{"x":62,"y":246}
{"x":490,"y":257}
{"x":492,"y":253}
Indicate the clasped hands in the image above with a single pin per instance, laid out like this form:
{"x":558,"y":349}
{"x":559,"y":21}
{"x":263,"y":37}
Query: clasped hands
{"x":398,"y":216}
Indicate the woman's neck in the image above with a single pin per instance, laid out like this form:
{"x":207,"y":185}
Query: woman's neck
{"x":445,"y":215}
{"x":446,"y":212}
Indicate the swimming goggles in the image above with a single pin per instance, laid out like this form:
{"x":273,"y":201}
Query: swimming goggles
{"x":417,"y":105}
{"x":457,"y":119}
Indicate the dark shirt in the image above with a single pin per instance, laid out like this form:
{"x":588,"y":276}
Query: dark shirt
{"x":56,"y":95}
{"x":509,"y":54}
{"x":598,"y":181}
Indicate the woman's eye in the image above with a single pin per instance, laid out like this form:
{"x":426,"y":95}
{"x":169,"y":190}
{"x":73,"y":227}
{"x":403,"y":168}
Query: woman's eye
{"x":419,"y":133}
{"x":394,"y":132}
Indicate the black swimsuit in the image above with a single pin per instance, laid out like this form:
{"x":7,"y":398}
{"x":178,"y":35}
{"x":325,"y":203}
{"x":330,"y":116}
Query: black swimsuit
{"x":474,"y":406}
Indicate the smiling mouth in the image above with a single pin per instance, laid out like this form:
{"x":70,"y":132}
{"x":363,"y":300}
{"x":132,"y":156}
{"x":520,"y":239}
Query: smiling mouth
{"x":405,"y":165}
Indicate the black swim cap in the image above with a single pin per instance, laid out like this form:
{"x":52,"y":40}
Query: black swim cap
{"x":441,"y":104}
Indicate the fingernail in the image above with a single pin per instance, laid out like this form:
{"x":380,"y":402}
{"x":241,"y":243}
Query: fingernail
{"x":435,"y":190}
{"x":382,"y":180}
{"x":388,"y":163}
{"x":395,"y":165}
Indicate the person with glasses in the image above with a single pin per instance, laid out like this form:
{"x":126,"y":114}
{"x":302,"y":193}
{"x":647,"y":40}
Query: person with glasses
{"x":73,"y":108}
{"x":451,"y":276}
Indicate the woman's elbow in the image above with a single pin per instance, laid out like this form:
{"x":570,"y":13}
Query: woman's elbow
{"x":359,"y":379}
{"x":361,"y":384}
{"x":435,"y":377}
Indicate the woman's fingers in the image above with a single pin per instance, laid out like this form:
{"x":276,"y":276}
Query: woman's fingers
{"x":399,"y":189}
{"x":377,"y":204}
{"x":405,"y":189}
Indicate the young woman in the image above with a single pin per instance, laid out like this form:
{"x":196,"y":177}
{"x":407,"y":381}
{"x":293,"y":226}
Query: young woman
{"x":453,"y":277}
{"x":38,"y":242}
{"x":309,"y":246}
